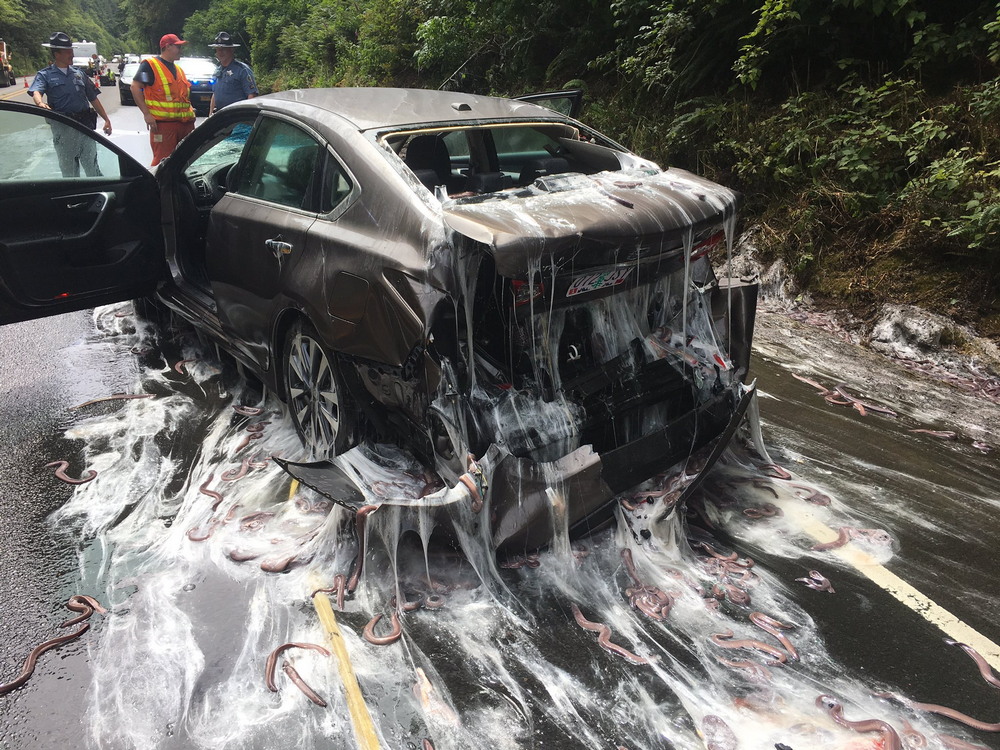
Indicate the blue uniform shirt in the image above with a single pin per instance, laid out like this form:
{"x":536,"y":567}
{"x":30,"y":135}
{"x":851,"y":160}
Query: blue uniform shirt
{"x":233,"y":83}
{"x":69,"y":92}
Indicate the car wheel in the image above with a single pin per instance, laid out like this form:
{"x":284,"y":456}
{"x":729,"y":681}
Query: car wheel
{"x":122,"y":97}
{"x":314,"y":391}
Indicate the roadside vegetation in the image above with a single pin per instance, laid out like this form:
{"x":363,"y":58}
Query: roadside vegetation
{"x":865,"y":134}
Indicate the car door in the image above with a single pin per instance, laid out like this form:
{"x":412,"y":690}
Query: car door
{"x":568,"y":102}
{"x":259,"y":231}
{"x":71,"y":242}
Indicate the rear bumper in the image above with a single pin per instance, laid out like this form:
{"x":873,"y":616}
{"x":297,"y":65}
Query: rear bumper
{"x":522,"y":492}
{"x":588,"y":482}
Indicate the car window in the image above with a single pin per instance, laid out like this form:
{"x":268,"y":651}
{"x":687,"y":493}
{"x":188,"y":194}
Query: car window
{"x":473,"y":161}
{"x":36,"y":147}
{"x":515,"y":146}
{"x":458,"y":144}
{"x":337,"y":185}
{"x":226,"y":146}
{"x":280,"y":166}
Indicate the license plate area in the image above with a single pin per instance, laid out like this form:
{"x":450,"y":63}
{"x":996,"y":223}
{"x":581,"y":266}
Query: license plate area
{"x":591,"y":282}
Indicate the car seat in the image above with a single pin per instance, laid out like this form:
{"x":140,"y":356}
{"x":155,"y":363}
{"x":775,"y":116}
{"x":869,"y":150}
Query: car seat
{"x":429,"y":153}
{"x":300,"y":172}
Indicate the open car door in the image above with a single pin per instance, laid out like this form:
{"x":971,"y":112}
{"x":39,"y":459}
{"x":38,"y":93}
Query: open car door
{"x":568,"y":102}
{"x":79,"y":218}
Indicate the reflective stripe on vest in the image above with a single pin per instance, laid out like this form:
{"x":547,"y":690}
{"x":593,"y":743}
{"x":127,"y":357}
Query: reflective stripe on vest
{"x":163,"y":103}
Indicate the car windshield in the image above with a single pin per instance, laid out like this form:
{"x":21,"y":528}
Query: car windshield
{"x":195,"y":67}
{"x":225,"y":147}
{"x":128,"y":72}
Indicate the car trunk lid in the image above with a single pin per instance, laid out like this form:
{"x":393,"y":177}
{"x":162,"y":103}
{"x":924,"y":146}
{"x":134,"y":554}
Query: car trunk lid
{"x":574,"y":223}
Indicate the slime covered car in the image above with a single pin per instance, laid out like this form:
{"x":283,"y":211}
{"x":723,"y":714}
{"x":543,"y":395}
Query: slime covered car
{"x":475,"y":279}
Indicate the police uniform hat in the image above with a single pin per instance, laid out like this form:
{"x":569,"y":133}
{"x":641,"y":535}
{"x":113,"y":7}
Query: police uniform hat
{"x":222,"y":39}
{"x":59,"y":40}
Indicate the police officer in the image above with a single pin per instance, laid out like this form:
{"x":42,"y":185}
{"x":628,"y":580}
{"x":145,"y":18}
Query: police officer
{"x":69,"y":91}
{"x":234,"y":80}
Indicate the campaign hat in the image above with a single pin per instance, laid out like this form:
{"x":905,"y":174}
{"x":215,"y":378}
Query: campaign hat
{"x":59,"y":40}
{"x":223,"y":39}
{"x":168,"y":39}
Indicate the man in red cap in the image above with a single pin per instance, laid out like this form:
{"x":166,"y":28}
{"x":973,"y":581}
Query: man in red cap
{"x":163,"y":93}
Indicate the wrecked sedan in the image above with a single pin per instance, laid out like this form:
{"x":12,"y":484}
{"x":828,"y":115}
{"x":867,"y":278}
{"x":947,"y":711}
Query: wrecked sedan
{"x":473,"y":278}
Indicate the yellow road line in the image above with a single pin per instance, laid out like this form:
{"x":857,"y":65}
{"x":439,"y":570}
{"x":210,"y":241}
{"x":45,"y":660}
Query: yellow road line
{"x":903,"y":592}
{"x":12,"y":94}
{"x":361,"y":719}
{"x":364,"y":727}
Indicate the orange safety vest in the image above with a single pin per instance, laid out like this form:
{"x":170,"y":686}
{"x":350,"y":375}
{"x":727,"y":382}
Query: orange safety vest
{"x":168,"y":97}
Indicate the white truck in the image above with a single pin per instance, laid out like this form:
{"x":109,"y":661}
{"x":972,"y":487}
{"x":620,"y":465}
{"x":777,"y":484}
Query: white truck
{"x":86,"y":57}
{"x":82,"y":52}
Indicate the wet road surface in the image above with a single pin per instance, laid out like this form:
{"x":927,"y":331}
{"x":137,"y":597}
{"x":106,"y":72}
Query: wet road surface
{"x":178,"y":662}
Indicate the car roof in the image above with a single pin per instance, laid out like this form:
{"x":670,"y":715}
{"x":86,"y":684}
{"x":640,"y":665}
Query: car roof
{"x":384,"y":108}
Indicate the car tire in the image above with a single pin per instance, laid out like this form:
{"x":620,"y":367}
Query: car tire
{"x":122,"y":97}
{"x":319,"y":404}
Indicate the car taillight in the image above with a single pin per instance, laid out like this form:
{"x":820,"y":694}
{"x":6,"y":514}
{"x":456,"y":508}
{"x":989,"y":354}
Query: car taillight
{"x":706,"y":246}
{"x":525,"y":291}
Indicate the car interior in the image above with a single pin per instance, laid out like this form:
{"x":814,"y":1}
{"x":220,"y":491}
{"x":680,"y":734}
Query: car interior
{"x":205,"y":181}
{"x":285,"y":166}
{"x":475,"y":161}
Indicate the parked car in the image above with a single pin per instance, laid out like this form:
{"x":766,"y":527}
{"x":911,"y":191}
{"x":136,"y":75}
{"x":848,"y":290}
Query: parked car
{"x":200,"y":72}
{"x":125,"y":83}
{"x":463,"y":275}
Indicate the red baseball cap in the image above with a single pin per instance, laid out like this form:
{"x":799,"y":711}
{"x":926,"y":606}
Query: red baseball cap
{"x":167,"y":39}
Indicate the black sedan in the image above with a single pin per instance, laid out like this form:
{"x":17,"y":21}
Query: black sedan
{"x":521,"y":302}
{"x":125,"y":83}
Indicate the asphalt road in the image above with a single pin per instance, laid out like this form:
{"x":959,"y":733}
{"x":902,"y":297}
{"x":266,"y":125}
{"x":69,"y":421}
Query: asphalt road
{"x":937,"y":497}
{"x":45,"y":369}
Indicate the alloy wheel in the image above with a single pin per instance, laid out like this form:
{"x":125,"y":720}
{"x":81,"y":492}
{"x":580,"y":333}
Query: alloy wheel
{"x":314,"y":396}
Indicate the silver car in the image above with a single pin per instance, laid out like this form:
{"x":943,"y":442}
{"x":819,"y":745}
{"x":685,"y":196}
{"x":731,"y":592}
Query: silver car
{"x":510,"y":295}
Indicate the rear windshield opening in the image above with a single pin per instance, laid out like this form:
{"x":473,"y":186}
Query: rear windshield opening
{"x":474,"y":161}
